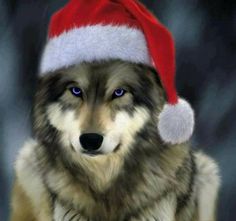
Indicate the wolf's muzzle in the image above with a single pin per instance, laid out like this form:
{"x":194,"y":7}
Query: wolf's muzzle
{"x":91,"y":141}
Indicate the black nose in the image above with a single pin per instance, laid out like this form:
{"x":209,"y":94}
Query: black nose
{"x":91,"y":141}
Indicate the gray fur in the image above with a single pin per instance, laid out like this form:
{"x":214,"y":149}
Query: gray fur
{"x":156,"y":181}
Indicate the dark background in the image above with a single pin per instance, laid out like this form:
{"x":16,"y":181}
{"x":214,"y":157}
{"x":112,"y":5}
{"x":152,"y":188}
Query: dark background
{"x":205,"y":34}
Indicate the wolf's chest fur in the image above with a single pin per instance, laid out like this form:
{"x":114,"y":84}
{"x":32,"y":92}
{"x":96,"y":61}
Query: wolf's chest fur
{"x":123,"y":196}
{"x":144,"y":191}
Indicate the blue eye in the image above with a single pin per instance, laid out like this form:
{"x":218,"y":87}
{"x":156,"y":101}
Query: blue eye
{"x":76,"y":91}
{"x":118,"y":93}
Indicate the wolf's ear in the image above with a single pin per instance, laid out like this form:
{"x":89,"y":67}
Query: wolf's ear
{"x":155,"y":76}
{"x":175,"y":121}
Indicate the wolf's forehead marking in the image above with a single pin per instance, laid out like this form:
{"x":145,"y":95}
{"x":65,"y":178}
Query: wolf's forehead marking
{"x":80,"y":74}
{"x":103,"y":78}
{"x":121,"y":75}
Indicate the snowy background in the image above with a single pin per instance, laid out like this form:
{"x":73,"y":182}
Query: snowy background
{"x":205,"y":33}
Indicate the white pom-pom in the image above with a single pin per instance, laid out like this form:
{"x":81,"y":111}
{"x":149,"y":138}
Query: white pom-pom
{"x":176,"y":122}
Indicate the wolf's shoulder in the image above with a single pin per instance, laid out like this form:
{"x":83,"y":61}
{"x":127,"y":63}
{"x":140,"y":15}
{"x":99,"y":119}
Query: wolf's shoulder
{"x":26,"y":159}
{"x":29,"y":180}
{"x":27,"y":170}
{"x":208,"y":182}
{"x":207,"y":168}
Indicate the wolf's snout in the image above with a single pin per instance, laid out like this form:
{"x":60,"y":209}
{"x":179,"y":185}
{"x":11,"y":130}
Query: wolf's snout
{"x":91,"y":141}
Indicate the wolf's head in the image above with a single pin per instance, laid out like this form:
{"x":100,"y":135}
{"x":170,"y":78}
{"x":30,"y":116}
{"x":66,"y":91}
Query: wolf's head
{"x":96,"y":109}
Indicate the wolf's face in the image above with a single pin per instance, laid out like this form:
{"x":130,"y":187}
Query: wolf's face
{"x":96,"y":109}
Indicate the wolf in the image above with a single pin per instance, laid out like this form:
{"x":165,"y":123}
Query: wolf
{"x":96,"y":154}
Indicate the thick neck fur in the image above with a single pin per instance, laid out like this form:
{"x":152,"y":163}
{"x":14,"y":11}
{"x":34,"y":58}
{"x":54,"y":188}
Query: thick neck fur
{"x":110,"y":184}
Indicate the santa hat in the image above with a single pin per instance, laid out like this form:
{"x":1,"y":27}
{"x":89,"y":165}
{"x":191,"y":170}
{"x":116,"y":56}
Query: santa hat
{"x":119,"y":29}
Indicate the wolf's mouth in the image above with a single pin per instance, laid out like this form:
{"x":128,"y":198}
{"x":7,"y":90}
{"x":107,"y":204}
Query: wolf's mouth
{"x":92,"y":153}
{"x":96,"y":153}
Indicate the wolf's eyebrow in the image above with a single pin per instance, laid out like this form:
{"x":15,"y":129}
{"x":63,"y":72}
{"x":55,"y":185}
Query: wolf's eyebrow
{"x":67,"y":83}
{"x":63,"y":84}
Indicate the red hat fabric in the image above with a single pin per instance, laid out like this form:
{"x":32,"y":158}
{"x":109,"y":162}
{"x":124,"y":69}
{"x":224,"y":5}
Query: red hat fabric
{"x":119,"y":29}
